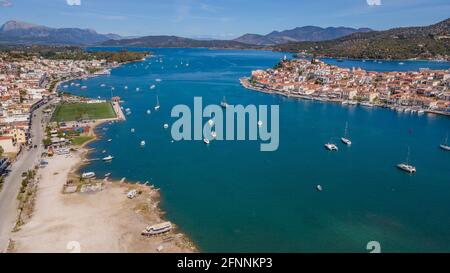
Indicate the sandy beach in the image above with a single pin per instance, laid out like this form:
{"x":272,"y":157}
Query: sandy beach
{"x":102,"y":221}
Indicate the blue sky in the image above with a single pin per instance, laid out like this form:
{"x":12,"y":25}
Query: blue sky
{"x":221,"y":18}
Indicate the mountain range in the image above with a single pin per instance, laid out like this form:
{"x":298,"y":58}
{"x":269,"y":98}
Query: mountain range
{"x":306,"y":33}
{"x":17,"y":32}
{"x":397,"y":43}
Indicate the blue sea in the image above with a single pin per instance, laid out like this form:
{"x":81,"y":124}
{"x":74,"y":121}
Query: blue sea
{"x":230,"y":197}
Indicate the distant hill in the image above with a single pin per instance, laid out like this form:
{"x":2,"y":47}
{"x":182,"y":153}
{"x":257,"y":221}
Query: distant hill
{"x":17,"y":32}
{"x":175,"y":41}
{"x":306,"y":33}
{"x":397,"y":43}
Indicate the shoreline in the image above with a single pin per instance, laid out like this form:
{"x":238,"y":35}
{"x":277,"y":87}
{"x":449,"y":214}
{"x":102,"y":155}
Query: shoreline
{"x":247,"y":85}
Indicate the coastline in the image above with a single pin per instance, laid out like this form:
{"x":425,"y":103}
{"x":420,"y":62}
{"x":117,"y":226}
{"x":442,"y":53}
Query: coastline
{"x":247,"y":85}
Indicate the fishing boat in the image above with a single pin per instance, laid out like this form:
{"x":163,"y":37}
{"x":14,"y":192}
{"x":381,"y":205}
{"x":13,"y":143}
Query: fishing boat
{"x":109,"y":140}
{"x":445,"y":146}
{"x":108,"y":158}
{"x":406,"y":166}
{"x":157,"y":106}
{"x":88,"y":175}
{"x":331,"y":147}
{"x":344,"y":139}
{"x":157,"y":229}
{"x":224,"y":103}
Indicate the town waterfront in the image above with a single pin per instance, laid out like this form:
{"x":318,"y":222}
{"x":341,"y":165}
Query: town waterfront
{"x":229,"y":196}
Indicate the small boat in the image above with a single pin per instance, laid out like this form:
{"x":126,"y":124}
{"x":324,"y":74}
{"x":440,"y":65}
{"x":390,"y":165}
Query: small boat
{"x":107,"y":174}
{"x":104,"y":151}
{"x":137,"y":89}
{"x":109,"y":140}
{"x":260,"y":123}
{"x":445,"y":146}
{"x":153,"y":86}
{"x":132,"y":130}
{"x":158,"y":80}
{"x":88,"y":175}
{"x":157,"y":229}
{"x":157,"y":106}
{"x":206,"y":140}
{"x":407,"y":168}
{"x":108,"y":158}
{"x":166,"y":126}
{"x":331,"y":147}
{"x":344,"y":139}
{"x":319,"y":187}
{"x":126,"y":87}
{"x":149,"y":112}
{"x":102,"y":85}
{"x":84,"y":87}
{"x":142,"y":143}
{"x":224,"y":103}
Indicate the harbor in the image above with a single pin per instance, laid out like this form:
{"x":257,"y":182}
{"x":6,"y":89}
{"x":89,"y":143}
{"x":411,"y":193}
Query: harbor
{"x":362,"y":196}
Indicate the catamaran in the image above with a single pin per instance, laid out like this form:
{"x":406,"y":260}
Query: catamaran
{"x":224,"y":103}
{"x":344,"y":139}
{"x":406,"y":166}
{"x":331,"y":147}
{"x":445,"y":146}
{"x":157,"y":106}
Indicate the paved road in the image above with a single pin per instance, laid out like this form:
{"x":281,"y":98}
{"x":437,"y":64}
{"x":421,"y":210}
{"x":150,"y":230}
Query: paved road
{"x":8,"y":195}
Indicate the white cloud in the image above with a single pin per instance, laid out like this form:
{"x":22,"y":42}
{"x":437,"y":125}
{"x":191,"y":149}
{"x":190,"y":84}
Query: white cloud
{"x":374,"y":2}
{"x":73,"y":2}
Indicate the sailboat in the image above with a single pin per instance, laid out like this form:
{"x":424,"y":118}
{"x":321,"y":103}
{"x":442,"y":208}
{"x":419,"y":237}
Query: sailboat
{"x":344,"y":139}
{"x":157,"y":106}
{"x":406,"y":166}
{"x":445,"y":146}
{"x":224,"y":103}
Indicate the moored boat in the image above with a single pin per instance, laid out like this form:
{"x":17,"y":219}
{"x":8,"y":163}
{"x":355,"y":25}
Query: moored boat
{"x":331,"y":147}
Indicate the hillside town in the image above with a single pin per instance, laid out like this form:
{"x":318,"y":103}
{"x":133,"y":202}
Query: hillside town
{"x":415,"y":91}
{"x":26,"y":84}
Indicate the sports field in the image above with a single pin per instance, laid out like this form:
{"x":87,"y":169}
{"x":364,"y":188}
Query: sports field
{"x":83,"y":111}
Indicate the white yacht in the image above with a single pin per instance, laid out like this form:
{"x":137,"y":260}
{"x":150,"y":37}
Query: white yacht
{"x":158,"y":80}
{"x":157,"y":229}
{"x":152,"y":86}
{"x":344,"y":139}
{"x":108,"y":158}
{"x":224,"y":103}
{"x":166,"y":126}
{"x":331,"y":147}
{"x":88,"y":175}
{"x":406,"y":167}
{"x":157,"y":106}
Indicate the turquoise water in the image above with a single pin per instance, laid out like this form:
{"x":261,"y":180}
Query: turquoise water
{"x":229,"y":196}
